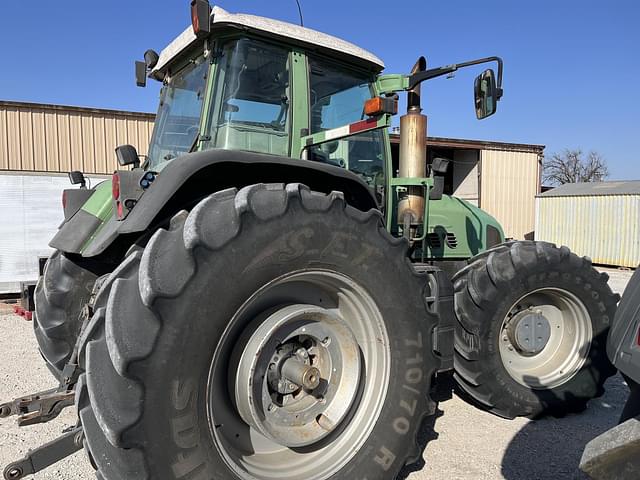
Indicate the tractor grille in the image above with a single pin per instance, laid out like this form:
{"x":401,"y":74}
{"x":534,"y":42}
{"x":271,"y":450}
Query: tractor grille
{"x":452,"y":241}
{"x":434,"y":240}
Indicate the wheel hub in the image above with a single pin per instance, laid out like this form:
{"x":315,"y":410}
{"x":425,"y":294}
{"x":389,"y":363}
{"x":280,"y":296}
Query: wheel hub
{"x":545,"y":338}
{"x":529,"y":331}
{"x":298,"y":374}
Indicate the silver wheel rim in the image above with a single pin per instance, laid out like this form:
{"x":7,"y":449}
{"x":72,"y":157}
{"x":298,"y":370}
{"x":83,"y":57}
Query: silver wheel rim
{"x":305,"y":362}
{"x":545,"y":338}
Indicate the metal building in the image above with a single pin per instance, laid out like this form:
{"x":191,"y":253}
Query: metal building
{"x":40,"y":143}
{"x":36,"y":137}
{"x":600,"y":220}
{"x":501,"y":178}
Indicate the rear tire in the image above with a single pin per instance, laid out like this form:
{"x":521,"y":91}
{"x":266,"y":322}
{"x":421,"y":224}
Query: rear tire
{"x":498,"y":296}
{"x":167,"y":392}
{"x":62,"y":291}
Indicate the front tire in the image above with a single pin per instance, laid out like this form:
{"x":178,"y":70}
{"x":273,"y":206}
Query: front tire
{"x":532,"y":328}
{"x":61,"y":293}
{"x":213,"y":340}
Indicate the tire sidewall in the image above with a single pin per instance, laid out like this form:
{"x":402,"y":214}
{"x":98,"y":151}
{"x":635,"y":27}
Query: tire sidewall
{"x":175,"y":423}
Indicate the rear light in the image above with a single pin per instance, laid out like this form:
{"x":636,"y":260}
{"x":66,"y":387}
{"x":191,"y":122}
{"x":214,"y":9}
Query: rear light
{"x":115,"y":186}
{"x":64,"y":199}
{"x":119,"y":209}
{"x":200,"y":17}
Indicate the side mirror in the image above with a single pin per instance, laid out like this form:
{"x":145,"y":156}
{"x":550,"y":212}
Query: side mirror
{"x":150,"y":60}
{"x":77,"y":178}
{"x":141,"y":74}
{"x":485,"y":94}
{"x":127,"y":155}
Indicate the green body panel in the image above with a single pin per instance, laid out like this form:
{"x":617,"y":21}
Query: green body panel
{"x":466,"y":221}
{"x":300,"y":103}
{"x":391,"y":83}
{"x":100,"y":205}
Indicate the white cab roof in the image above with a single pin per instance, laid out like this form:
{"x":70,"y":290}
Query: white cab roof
{"x":278,"y":28}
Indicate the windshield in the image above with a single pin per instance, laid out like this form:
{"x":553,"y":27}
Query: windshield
{"x":337,"y":98}
{"x":252,"y":98}
{"x":178,"y":118}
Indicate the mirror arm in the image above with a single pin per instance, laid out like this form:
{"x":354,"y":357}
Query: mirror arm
{"x":419,"y":77}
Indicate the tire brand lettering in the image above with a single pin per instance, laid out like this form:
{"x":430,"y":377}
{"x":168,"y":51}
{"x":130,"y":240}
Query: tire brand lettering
{"x":384,"y":458}
{"x":283,"y":250}
{"x":338,"y":245}
{"x":182,"y":394}
{"x":409,"y":407}
{"x":413,"y":375}
{"x":184,"y":428}
{"x":401,"y":425}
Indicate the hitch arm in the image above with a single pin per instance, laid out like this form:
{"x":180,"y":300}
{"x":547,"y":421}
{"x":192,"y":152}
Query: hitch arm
{"x":39,"y":407}
{"x":46,"y":455}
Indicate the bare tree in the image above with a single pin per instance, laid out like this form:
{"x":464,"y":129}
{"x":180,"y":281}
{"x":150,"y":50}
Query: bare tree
{"x":571,"y":166}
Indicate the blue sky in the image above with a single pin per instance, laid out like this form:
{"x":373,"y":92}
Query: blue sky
{"x":572,"y":68}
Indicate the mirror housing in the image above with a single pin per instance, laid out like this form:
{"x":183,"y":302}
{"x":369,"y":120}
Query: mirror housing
{"x":127,"y":155}
{"x":141,"y":74}
{"x":439,"y":166}
{"x":485,"y":94}
{"x":77,"y":178}
{"x":151,"y":58}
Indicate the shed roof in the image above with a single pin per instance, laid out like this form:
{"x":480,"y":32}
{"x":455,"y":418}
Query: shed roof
{"x":301,"y":35}
{"x":590,"y":189}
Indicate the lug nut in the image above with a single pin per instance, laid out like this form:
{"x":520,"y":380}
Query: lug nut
{"x":325,"y":422}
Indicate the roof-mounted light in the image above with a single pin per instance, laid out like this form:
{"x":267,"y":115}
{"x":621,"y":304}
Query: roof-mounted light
{"x":201,"y":17}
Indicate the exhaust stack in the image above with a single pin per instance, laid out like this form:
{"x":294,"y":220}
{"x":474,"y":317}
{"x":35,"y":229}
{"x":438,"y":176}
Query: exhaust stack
{"x":413,"y":153}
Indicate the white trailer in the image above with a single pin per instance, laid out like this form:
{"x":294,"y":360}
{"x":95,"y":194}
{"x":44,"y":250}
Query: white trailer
{"x":30,"y":213}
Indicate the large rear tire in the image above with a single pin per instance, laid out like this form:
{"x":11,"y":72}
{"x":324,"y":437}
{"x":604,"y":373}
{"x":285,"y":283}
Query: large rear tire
{"x":270,"y":333}
{"x":61,"y":293}
{"x":532,"y":328}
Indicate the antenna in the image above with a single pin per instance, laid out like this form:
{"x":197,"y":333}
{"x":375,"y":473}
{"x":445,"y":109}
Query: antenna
{"x":300,"y":12}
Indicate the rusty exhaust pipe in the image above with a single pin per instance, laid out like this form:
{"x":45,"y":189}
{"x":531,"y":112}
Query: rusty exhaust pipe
{"x":413,"y":154}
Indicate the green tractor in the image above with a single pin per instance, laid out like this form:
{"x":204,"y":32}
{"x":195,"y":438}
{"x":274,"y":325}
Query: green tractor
{"x":264,"y":297}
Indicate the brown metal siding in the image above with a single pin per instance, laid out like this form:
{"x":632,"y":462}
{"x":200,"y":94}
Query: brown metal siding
{"x":508,"y":187}
{"x":51,"y":138}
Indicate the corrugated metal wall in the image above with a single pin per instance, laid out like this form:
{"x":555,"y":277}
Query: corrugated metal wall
{"x":51,"y":138}
{"x":605,"y":228}
{"x":509,"y":183}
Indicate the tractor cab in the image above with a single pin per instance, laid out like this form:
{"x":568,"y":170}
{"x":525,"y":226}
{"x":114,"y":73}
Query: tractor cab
{"x":260,"y":85}
{"x":245,"y":83}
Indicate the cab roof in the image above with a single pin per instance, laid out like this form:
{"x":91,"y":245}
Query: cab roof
{"x":274,"y":28}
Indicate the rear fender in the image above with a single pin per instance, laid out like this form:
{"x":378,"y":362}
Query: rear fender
{"x":188,"y":179}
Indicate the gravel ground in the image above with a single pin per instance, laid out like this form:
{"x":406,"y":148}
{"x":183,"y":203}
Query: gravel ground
{"x":462,"y":443}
